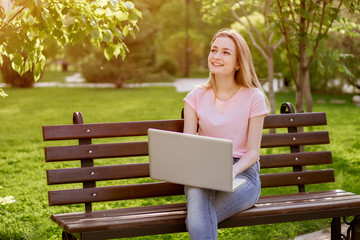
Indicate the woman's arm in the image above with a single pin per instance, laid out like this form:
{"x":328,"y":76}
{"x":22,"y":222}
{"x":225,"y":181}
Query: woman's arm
{"x":252,"y":147}
{"x":190,"y":120}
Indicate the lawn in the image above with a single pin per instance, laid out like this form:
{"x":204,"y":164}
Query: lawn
{"x":22,"y":166}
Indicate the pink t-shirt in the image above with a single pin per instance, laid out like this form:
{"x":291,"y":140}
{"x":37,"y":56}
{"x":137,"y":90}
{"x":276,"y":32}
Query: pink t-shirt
{"x":227,"y":119}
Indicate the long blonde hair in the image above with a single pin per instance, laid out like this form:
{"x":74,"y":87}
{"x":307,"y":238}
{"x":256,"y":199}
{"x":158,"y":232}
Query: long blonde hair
{"x":246,"y":75}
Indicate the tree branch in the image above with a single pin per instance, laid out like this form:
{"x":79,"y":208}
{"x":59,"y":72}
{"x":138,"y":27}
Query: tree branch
{"x":266,"y":19}
{"x":286,"y":38}
{"x":282,"y":39}
{"x":249,"y":32}
{"x":291,"y":11}
{"x":22,"y":9}
{"x":320,"y":28}
{"x":310,"y":10}
{"x":251,"y":25}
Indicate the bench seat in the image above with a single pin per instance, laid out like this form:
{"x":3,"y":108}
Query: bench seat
{"x":170,"y":218}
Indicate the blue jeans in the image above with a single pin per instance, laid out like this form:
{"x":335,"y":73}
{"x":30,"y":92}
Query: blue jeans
{"x":206,"y":208}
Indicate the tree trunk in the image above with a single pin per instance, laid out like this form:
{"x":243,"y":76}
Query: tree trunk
{"x":300,"y":88}
{"x":307,"y":87}
{"x":270,"y":68}
{"x":307,"y":92}
{"x":301,"y":70}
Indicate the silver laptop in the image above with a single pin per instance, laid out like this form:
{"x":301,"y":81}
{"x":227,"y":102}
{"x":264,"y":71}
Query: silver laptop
{"x":192,"y":160}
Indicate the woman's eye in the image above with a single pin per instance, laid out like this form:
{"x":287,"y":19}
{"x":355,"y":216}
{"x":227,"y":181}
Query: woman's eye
{"x":226,"y":53}
{"x":213,"y":50}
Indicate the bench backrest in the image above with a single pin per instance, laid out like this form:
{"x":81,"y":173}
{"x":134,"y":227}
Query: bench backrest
{"x":89,"y":174}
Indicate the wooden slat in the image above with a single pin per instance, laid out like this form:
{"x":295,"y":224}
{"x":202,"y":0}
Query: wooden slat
{"x":95,"y":151}
{"x":98,"y":173}
{"x":300,"y":196}
{"x":101,"y":194}
{"x":173,"y":214}
{"x":99,"y":130}
{"x":297,"y":178}
{"x":289,"y":212}
{"x":295,"y":159}
{"x":145,"y":190}
{"x":73,"y":217}
{"x":295,"y":120}
{"x":111,"y":150}
{"x":294,"y":139}
{"x":139,"y":128}
{"x":124,"y":171}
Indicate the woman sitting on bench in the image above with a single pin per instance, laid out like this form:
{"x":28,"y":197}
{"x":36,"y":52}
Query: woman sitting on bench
{"x":232,"y":105}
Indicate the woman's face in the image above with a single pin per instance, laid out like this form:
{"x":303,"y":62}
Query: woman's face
{"x":222,"y":57}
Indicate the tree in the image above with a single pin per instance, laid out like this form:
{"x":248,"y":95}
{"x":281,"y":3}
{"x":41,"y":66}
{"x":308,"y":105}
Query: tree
{"x":24,"y":28}
{"x":337,"y":56}
{"x":305,"y":24}
{"x":171,"y":40}
{"x":265,"y":41}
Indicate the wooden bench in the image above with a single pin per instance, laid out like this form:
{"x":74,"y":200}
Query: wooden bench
{"x":169,"y":218}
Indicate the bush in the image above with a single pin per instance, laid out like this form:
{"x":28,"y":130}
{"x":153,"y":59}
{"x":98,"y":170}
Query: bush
{"x":168,"y":66}
{"x":96,"y":69}
{"x":10,"y":76}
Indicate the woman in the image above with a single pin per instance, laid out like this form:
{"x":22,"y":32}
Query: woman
{"x":232,"y":105}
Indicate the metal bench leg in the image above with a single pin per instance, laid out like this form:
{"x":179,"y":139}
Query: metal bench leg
{"x":67,"y":236}
{"x":336,"y":229}
{"x":355,"y":228}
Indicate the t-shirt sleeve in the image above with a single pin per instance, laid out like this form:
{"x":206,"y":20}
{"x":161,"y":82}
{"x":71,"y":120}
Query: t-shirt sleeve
{"x":191,"y":99}
{"x":258,"y":105}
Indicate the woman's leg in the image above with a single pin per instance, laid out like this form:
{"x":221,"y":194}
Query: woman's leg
{"x":201,"y":221}
{"x":227,"y":204}
{"x":208,"y":207}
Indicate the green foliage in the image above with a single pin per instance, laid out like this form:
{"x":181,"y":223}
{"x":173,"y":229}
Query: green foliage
{"x":168,"y":66}
{"x":13,"y":78}
{"x":24,"y":28}
{"x":331,"y":63}
{"x":2,"y":93}
{"x":305,"y":24}
{"x":337,"y":55}
{"x":158,"y":52}
{"x":170,"y":41}
{"x":96,"y":69}
{"x":22,"y":153}
{"x":140,"y":64}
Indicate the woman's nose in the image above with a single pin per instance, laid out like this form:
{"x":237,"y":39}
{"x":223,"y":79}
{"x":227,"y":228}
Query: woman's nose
{"x":217,"y":55}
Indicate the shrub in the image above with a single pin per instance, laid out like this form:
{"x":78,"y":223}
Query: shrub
{"x":168,"y":66}
{"x":10,"y":76}
{"x":96,"y":69}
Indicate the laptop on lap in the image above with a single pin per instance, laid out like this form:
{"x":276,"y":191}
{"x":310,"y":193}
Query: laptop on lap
{"x":192,"y":160}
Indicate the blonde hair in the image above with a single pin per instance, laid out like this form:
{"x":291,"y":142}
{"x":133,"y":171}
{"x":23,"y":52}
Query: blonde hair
{"x":246,"y":75}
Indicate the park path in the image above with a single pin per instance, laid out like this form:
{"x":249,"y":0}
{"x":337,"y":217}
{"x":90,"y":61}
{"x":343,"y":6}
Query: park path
{"x":181,"y":84}
{"x":320,"y":235}
{"x":76,"y":81}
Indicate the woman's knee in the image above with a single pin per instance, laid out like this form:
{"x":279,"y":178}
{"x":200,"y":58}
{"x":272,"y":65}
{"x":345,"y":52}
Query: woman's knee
{"x":199,"y":195}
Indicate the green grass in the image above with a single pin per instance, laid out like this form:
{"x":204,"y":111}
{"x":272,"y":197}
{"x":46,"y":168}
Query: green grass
{"x":22,"y":166}
{"x":55,"y":76}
